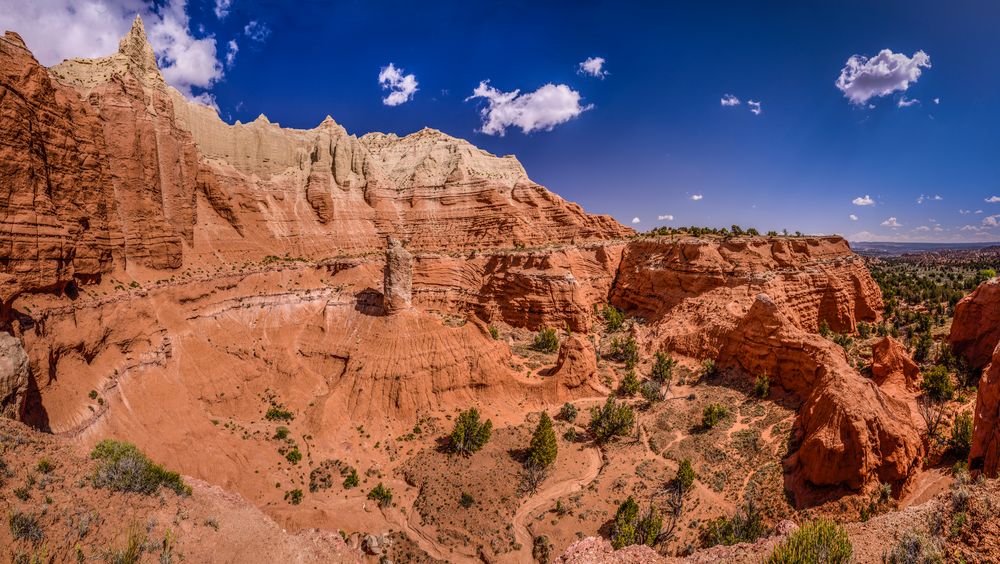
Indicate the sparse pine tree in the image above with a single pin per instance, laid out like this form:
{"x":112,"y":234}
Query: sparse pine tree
{"x":469,"y":434}
{"x":543,"y":449}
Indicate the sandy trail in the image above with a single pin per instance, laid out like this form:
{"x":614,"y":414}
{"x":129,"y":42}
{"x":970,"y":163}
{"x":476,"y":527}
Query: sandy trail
{"x":552,"y":491}
{"x":422,"y":538}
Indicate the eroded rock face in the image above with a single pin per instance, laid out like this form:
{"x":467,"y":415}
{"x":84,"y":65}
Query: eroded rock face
{"x":13,"y":376}
{"x":975,"y":330}
{"x":892,"y":365}
{"x":577,"y":364}
{"x":398,"y":278}
{"x":852,"y":432}
{"x":984,"y":455}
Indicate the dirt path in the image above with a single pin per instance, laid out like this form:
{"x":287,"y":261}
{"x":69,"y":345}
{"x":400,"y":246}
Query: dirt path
{"x":550,"y":492}
{"x":422,"y":538}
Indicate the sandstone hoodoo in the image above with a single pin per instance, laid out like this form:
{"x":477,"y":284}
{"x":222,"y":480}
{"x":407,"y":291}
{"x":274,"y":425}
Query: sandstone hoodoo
{"x":291,"y":322}
{"x":398,"y":286}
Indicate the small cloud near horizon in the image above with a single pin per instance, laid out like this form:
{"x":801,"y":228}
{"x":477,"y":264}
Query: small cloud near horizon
{"x":891,"y":222}
{"x":635,"y":220}
{"x":865,"y":200}
{"x":697,"y":197}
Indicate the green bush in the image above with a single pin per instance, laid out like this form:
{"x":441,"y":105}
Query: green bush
{"x":123,"y":467}
{"x":611,"y":420}
{"x":470,"y":434}
{"x":45,"y":466}
{"x":625,"y":350}
{"x":961,"y":434}
{"x":762,"y":387}
{"x":819,"y":542}
{"x":494,"y":332}
{"x":278,"y":414}
{"x":546,"y":341}
{"x":746,"y":525}
{"x":568,"y":412}
{"x":466,"y":500}
{"x":651,"y":391}
{"x":24,"y":526}
{"x":294,"y":456}
{"x":629,"y":528}
{"x":915,"y":548}
{"x":613,"y":318}
{"x":937,"y":383}
{"x":281,"y":433}
{"x":685,"y":476}
{"x":629,"y":384}
{"x":663,"y":368}
{"x":381,"y":494}
{"x":294,"y":496}
{"x":824,"y":328}
{"x":712,"y":414}
{"x":351,"y":481}
{"x":543,"y":449}
{"x":708,"y":368}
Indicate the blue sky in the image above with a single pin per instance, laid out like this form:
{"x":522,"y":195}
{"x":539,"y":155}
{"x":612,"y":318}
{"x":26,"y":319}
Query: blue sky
{"x":644,"y":138}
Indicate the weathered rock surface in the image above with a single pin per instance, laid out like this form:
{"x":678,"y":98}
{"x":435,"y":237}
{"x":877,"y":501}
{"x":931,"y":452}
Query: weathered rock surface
{"x":398,"y":278}
{"x":975,"y":329}
{"x":984,"y":456}
{"x":852,"y":432}
{"x":13,"y":376}
{"x":892,"y":365}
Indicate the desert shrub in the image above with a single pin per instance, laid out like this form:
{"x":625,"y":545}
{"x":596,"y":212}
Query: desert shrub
{"x":747,"y":525}
{"x":922,"y":347}
{"x":625,"y":350}
{"x":281,"y":433}
{"x":131,"y":553}
{"x":351,"y":481}
{"x":937,"y":383}
{"x":762,"y":386}
{"x":568,"y":412}
{"x":824,"y":328}
{"x":24,"y":526}
{"x":663,"y":368}
{"x":494,"y":332}
{"x":629,"y":384}
{"x":629,"y":528}
{"x":294,"y":497}
{"x":915,"y":548}
{"x":293,"y":455}
{"x":381,"y":494}
{"x":864,"y":330}
{"x":546,"y":341}
{"x":650,"y":391}
{"x":611,"y":420}
{"x":541,"y":549}
{"x":961,"y":434}
{"x":45,"y":466}
{"x":466,"y":500}
{"x":544,"y":448}
{"x":275,"y":413}
{"x":470,"y":434}
{"x":613,"y":318}
{"x":123,"y":467}
{"x":685,"y":476}
{"x":712,"y":414}
{"x":708,"y":368}
{"x":820,"y":542}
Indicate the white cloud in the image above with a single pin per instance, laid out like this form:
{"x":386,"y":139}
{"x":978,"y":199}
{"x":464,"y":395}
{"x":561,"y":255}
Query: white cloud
{"x":754,"y":107}
{"x":905,"y":102}
{"x":258,"y":31}
{"x":61,"y":29}
{"x":863,"y":78}
{"x":696,"y":197}
{"x":222,"y":8}
{"x":992,"y":199}
{"x":977,"y":212}
{"x":853,"y":217}
{"x":729,"y":100}
{"x":937,"y":100}
{"x":992,"y":221}
{"x":924,"y":198}
{"x":593,"y":66}
{"x":206,"y":99}
{"x":665,"y":217}
{"x":541,"y":110}
{"x":891,"y":222}
{"x":969,"y":228}
{"x":923,"y":228}
{"x":636,"y":220}
{"x":866,"y":200}
{"x":401,"y":87}
{"x":231,"y":49}
{"x":938,"y":229}
{"x":964,"y":212}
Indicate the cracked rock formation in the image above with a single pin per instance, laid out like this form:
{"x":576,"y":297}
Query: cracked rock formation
{"x":892,"y":366}
{"x":13,"y":376}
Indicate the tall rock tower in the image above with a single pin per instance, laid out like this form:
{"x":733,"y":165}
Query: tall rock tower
{"x":398,"y":273}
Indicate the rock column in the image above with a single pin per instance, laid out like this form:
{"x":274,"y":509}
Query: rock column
{"x":13,"y":376}
{"x":398,"y":273}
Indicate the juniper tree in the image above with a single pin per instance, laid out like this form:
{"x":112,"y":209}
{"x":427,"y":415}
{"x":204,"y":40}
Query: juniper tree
{"x":469,"y":434}
{"x":543,"y":449}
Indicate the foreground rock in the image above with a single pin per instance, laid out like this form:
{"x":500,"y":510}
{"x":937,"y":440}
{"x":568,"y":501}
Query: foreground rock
{"x":852,"y":432}
{"x":13,"y":376}
{"x":984,"y":455}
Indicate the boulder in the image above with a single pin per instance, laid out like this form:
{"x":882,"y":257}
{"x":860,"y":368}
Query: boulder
{"x":892,"y":366}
